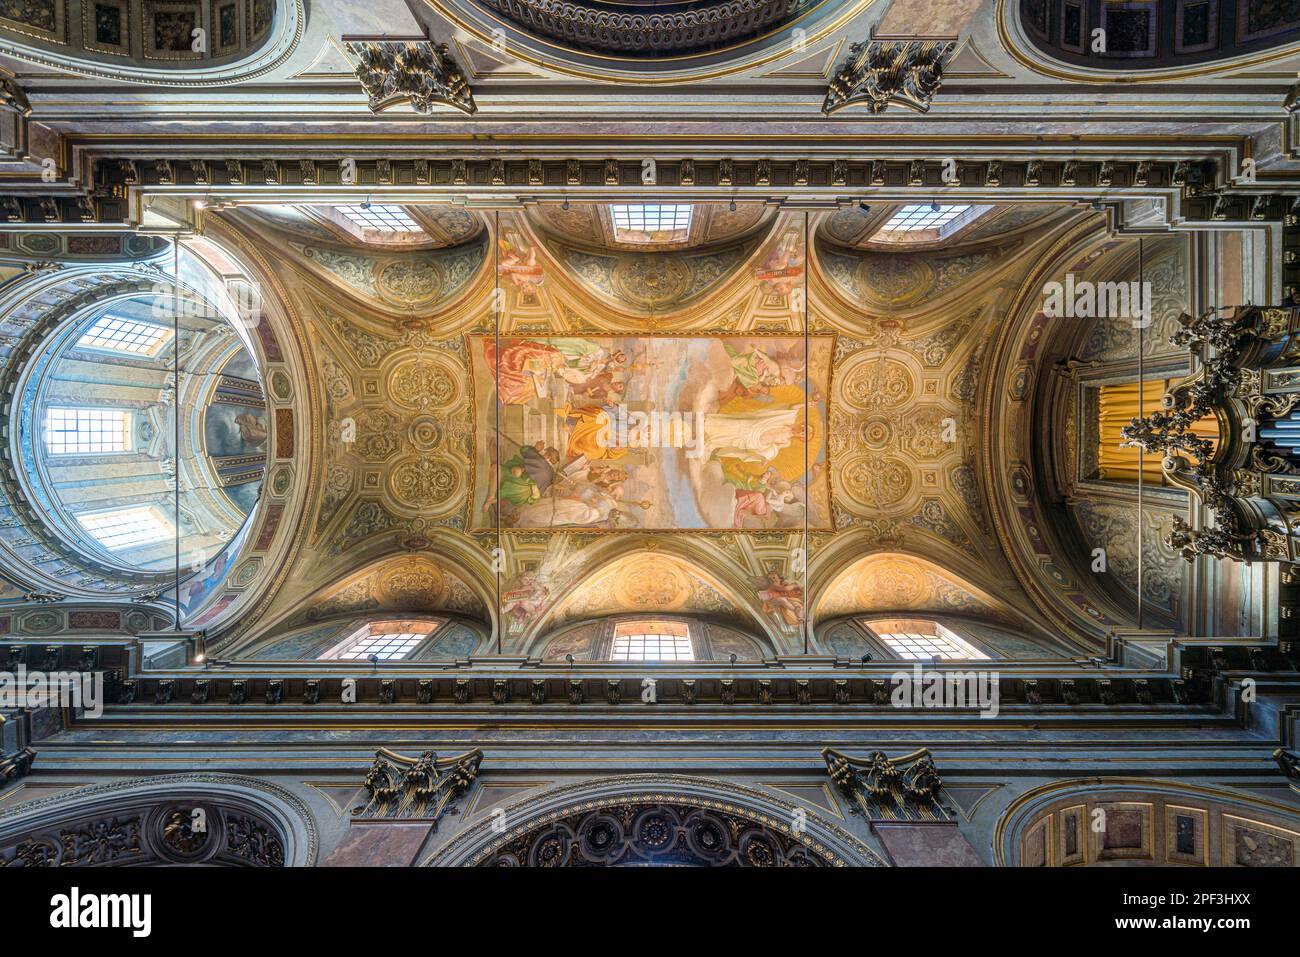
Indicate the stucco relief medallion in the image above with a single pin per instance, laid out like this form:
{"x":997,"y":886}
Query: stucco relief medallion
{"x":409,"y":281}
{"x":874,"y":481}
{"x":876,"y":432}
{"x":418,"y":585}
{"x":878,"y":382}
{"x":652,"y":584}
{"x":651,"y":280}
{"x":423,"y":383}
{"x":894,"y":280}
{"x":425,"y":433}
{"x":427,"y":482}
{"x":892,"y":584}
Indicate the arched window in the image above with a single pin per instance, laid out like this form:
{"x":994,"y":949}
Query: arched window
{"x":916,"y":639}
{"x":652,"y":640}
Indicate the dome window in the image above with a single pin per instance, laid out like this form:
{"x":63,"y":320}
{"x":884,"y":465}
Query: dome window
{"x":87,"y":431}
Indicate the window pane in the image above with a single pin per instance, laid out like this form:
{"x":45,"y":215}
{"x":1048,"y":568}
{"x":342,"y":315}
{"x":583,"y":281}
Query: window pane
{"x":385,"y":646}
{"x":390,"y":219}
{"x":127,"y":527}
{"x":87,"y":431}
{"x":922,"y":216}
{"x":651,"y":218}
{"x":124,"y":335}
{"x":652,"y":641}
{"x":923,"y":647}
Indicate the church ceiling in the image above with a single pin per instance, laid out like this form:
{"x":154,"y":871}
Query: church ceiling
{"x":871,"y":436}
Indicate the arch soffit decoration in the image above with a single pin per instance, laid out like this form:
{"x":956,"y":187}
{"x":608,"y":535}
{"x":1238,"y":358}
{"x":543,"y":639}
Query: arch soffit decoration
{"x":408,"y":584}
{"x":680,"y":565}
{"x":279,"y":345}
{"x":995,"y":262}
{"x":905,"y":582}
{"x":282,"y":39}
{"x":821,"y":23}
{"x":279,"y":806}
{"x":391,"y":282}
{"x":832,"y":844}
{"x":1014,"y":40}
{"x":1071,"y":601}
{"x":1026,"y":810}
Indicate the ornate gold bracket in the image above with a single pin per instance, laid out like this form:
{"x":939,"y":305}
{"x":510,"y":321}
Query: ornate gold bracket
{"x":890,"y":789}
{"x":423,"y":788}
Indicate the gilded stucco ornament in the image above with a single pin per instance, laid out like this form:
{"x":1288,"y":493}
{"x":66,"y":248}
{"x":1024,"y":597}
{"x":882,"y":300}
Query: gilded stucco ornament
{"x":880,"y":72}
{"x":419,"y":72}
{"x":12,"y":96}
{"x":1221,"y":473}
{"x":890,"y":789}
{"x":424,"y":788}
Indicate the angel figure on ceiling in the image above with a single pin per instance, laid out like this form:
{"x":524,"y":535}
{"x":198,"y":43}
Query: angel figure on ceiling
{"x":781,"y":598}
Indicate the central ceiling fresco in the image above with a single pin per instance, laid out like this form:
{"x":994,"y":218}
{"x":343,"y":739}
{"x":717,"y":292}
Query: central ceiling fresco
{"x":659,"y":432}
{"x":759,"y":417}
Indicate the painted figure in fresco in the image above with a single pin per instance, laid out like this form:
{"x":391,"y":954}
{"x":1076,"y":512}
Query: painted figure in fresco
{"x":781,"y":598}
{"x":772,"y":497}
{"x":586,"y":426}
{"x":782,"y":271}
{"x":518,"y":263}
{"x":757,"y":371}
{"x":524,"y":599}
{"x":524,"y":371}
{"x":252,"y":430}
{"x":599,"y":390}
{"x":584,"y":503}
{"x":586,"y":359}
{"x":528,"y":474}
{"x":751,"y":436}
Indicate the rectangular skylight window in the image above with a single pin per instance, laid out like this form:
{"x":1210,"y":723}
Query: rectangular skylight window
{"x":922,"y":216}
{"x":87,"y":431}
{"x":127,"y":527}
{"x":389,"y":219}
{"x":651,"y":218}
{"x":385,"y":647}
{"x":918,"y":647}
{"x":114,"y":334}
{"x":652,"y":641}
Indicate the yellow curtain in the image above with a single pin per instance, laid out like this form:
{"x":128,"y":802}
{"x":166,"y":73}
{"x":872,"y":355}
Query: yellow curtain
{"x":1116,"y":405}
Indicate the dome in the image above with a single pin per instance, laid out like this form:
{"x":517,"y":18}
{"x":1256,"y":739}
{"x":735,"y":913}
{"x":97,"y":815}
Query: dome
{"x":142,"y":430}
